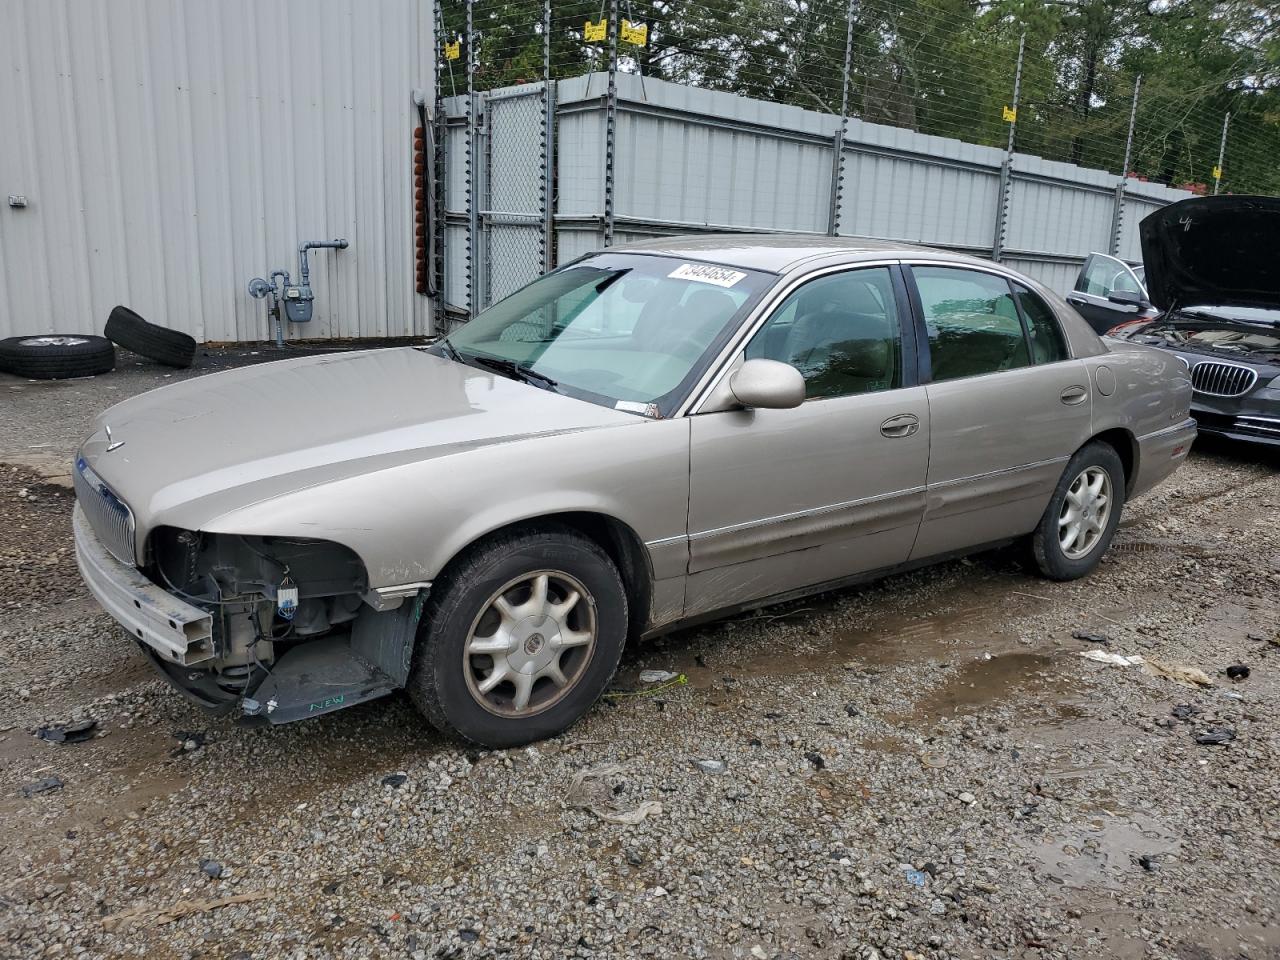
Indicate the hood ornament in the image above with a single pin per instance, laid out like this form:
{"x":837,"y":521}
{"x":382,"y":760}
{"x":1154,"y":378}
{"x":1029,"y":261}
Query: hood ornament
{"x":112,"y":444}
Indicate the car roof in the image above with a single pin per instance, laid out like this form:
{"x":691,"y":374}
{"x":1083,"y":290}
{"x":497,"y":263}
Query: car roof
{"x":783,"y":252}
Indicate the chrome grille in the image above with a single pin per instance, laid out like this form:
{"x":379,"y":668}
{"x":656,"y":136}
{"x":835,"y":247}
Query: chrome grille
{"x":109,"y":516}
{"x":1222,"y":379}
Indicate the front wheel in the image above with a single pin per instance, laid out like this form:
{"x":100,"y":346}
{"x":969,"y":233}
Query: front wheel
{"x":1082,"y":515}
{"x":520,"y":638}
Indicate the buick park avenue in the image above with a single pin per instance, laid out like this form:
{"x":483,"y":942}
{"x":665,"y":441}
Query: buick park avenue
{"x":650,"y":435}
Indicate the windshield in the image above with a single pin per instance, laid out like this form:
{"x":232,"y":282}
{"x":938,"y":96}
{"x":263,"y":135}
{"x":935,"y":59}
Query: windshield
{"x":624,"y":330}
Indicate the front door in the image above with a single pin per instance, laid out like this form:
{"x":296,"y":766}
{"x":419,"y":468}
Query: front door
{"x":1009,"y":406}
{"x":784,"y":499}
{"x":1100,"y":277}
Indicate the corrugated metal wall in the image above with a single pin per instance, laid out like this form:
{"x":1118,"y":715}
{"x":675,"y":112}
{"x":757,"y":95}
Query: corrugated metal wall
{"x":172,"y":150}
{"x":690,"y":159}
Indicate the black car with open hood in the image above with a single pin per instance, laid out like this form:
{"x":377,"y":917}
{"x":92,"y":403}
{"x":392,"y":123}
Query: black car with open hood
{"x":1213,"y":270}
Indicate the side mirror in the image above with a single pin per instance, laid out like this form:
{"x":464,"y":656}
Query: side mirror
{"x":768,"y":384}
{"x":1128,"y":298}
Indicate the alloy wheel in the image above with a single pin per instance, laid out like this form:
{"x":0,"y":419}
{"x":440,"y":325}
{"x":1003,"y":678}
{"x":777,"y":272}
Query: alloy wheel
{"x":1085,"y":511}
{"x":530,"y":644}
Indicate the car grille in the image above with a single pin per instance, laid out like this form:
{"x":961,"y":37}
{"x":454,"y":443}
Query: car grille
{"x":1259,"y":426}
{"x":109,"y":516}
{"x":1222,"y":379}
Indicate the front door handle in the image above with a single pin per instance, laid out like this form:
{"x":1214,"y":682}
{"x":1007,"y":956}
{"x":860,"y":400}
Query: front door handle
{"x":1074,"y":394}
{"x":903,"y":425}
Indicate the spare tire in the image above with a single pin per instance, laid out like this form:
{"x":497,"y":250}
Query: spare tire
{"x":57,"y":356}
{"x":170,"y":347}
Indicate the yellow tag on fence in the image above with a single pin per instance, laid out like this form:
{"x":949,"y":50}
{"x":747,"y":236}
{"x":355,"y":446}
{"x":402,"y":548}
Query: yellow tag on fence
{"x":595,"y":32}
{"x":637,"y":33}
{"x":1217,"y":173}
{"x":452,"y":51}
{"x":1010,"y":114}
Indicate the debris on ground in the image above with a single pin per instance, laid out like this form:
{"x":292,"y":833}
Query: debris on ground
{"x":1185,"y":711}
{"x":77,"y":732}
{"x":1088,"y":637}
{"x":211,"y":869}
{"x":1216,"y":737}
{"x":711,"y":766}
{"x":1237,"y":671}
{"x":395,"y":780}
{"x":189,"y":741}
{"x":44,"y":785}
{"x":1112,"y":659}
{"x":816,"y":759}
{"x":155,"y":916}
{"x":657,"y":676}
{"x":1179,"y":673}
{"x":589,"y":791}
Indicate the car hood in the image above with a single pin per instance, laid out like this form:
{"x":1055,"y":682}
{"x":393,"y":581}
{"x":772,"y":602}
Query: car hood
{"x":188,"y":453}
{"x":1213,"y":250}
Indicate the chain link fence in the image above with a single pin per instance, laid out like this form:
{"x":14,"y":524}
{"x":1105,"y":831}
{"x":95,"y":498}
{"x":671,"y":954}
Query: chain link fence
{"x":1172,"y":94}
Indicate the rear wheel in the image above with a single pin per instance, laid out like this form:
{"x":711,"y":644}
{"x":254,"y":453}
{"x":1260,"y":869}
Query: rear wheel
{"x":1082,"y":515}
{"x":520,"y":638}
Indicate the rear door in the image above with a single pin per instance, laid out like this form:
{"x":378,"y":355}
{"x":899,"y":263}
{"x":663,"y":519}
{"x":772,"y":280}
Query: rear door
{"x":784,"y":499}
{"x":1101,"y":276}
{"x":1008,"y":405}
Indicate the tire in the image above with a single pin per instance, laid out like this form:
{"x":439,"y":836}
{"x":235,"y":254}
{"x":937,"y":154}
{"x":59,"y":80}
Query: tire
{"x":1093,"y":462}
{"x":170,"y":347}
{"x":57,"y":356}
{"x":445,"y":683}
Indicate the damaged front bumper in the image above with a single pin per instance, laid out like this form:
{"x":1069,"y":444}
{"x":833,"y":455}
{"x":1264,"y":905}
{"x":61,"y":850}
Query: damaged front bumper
{"x":366,"y":658}
{"x":178,"y":632}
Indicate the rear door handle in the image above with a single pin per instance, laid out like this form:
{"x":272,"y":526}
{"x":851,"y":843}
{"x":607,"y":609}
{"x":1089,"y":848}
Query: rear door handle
{"x":1076,"y":301}
{"x":1074,"y":394}
{"x":903,"y":425}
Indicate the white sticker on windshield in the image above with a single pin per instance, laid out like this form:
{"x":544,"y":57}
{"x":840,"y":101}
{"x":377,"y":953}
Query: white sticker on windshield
{"x":705,"y":273}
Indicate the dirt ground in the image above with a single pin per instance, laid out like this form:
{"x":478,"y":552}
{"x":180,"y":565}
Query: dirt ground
{"x":922,"y":768}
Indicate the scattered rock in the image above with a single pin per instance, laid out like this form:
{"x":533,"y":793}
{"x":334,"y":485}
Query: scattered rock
{"x":45,"y":785}
{"x":1238,"y":671}
{"x":711,"y":766}
{"x":211,"y":869}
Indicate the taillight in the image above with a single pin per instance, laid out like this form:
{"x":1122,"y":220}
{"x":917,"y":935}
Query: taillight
{"x":1123,"y":330}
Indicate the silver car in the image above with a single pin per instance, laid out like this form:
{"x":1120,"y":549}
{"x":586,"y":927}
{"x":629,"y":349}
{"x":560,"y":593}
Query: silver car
{"x":652,"y":434}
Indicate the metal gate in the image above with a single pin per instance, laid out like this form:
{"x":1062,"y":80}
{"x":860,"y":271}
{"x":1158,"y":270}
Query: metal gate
{"x":513,"y":220}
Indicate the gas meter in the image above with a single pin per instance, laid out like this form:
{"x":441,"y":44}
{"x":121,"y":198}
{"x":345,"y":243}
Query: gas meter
{"x":297,"y":304}
{"x":298,"y":300}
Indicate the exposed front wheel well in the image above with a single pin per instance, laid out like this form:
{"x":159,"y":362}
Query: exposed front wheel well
{"x":1126,"y":447}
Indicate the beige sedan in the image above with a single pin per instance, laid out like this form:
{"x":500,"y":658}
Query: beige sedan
{"x":652,"y":434}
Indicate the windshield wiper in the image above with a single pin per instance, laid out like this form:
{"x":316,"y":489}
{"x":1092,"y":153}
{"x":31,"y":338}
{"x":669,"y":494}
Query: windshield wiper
{"x":450,"y":351}
{"x":516,"y":371}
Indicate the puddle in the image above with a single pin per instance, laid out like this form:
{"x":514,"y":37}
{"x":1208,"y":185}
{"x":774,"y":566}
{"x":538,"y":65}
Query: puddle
{"x":1101,"y":851}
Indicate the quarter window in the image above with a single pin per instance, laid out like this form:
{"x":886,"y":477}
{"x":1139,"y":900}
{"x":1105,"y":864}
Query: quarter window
{"x":841,"y":331}
{"x":972,"y":322}
{"x":1102,"y":276}
{"x":1047,"y":343}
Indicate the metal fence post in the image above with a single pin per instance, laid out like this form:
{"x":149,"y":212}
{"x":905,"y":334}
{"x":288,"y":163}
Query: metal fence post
{"x":1117,"y":211}
{"x":471,"y":162}
{"x":610,"y":122}
{"x":439,"y":160}
{"x":1222,"y":154}
{"x":837,"y":167}
{"x":1006,"y":168}
{"x":548,"y":144}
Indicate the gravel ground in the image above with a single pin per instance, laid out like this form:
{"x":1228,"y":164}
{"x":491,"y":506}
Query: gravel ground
{"x":923,"y":768}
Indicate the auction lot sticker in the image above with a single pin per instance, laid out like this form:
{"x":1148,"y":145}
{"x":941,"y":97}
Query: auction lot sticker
{"x":705,"y":273}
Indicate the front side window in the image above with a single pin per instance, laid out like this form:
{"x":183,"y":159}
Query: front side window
{"x":841,"y":331}
{"x":972,"y":322}
{"x":623,"y":330}
{"x":1102,"y":276}
{"x":1047,"y":342}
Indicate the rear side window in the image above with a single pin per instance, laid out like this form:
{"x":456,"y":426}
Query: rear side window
{"x":1047,"y":342}
{"x":972,"y":321}
{"x":1102,"y":276}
